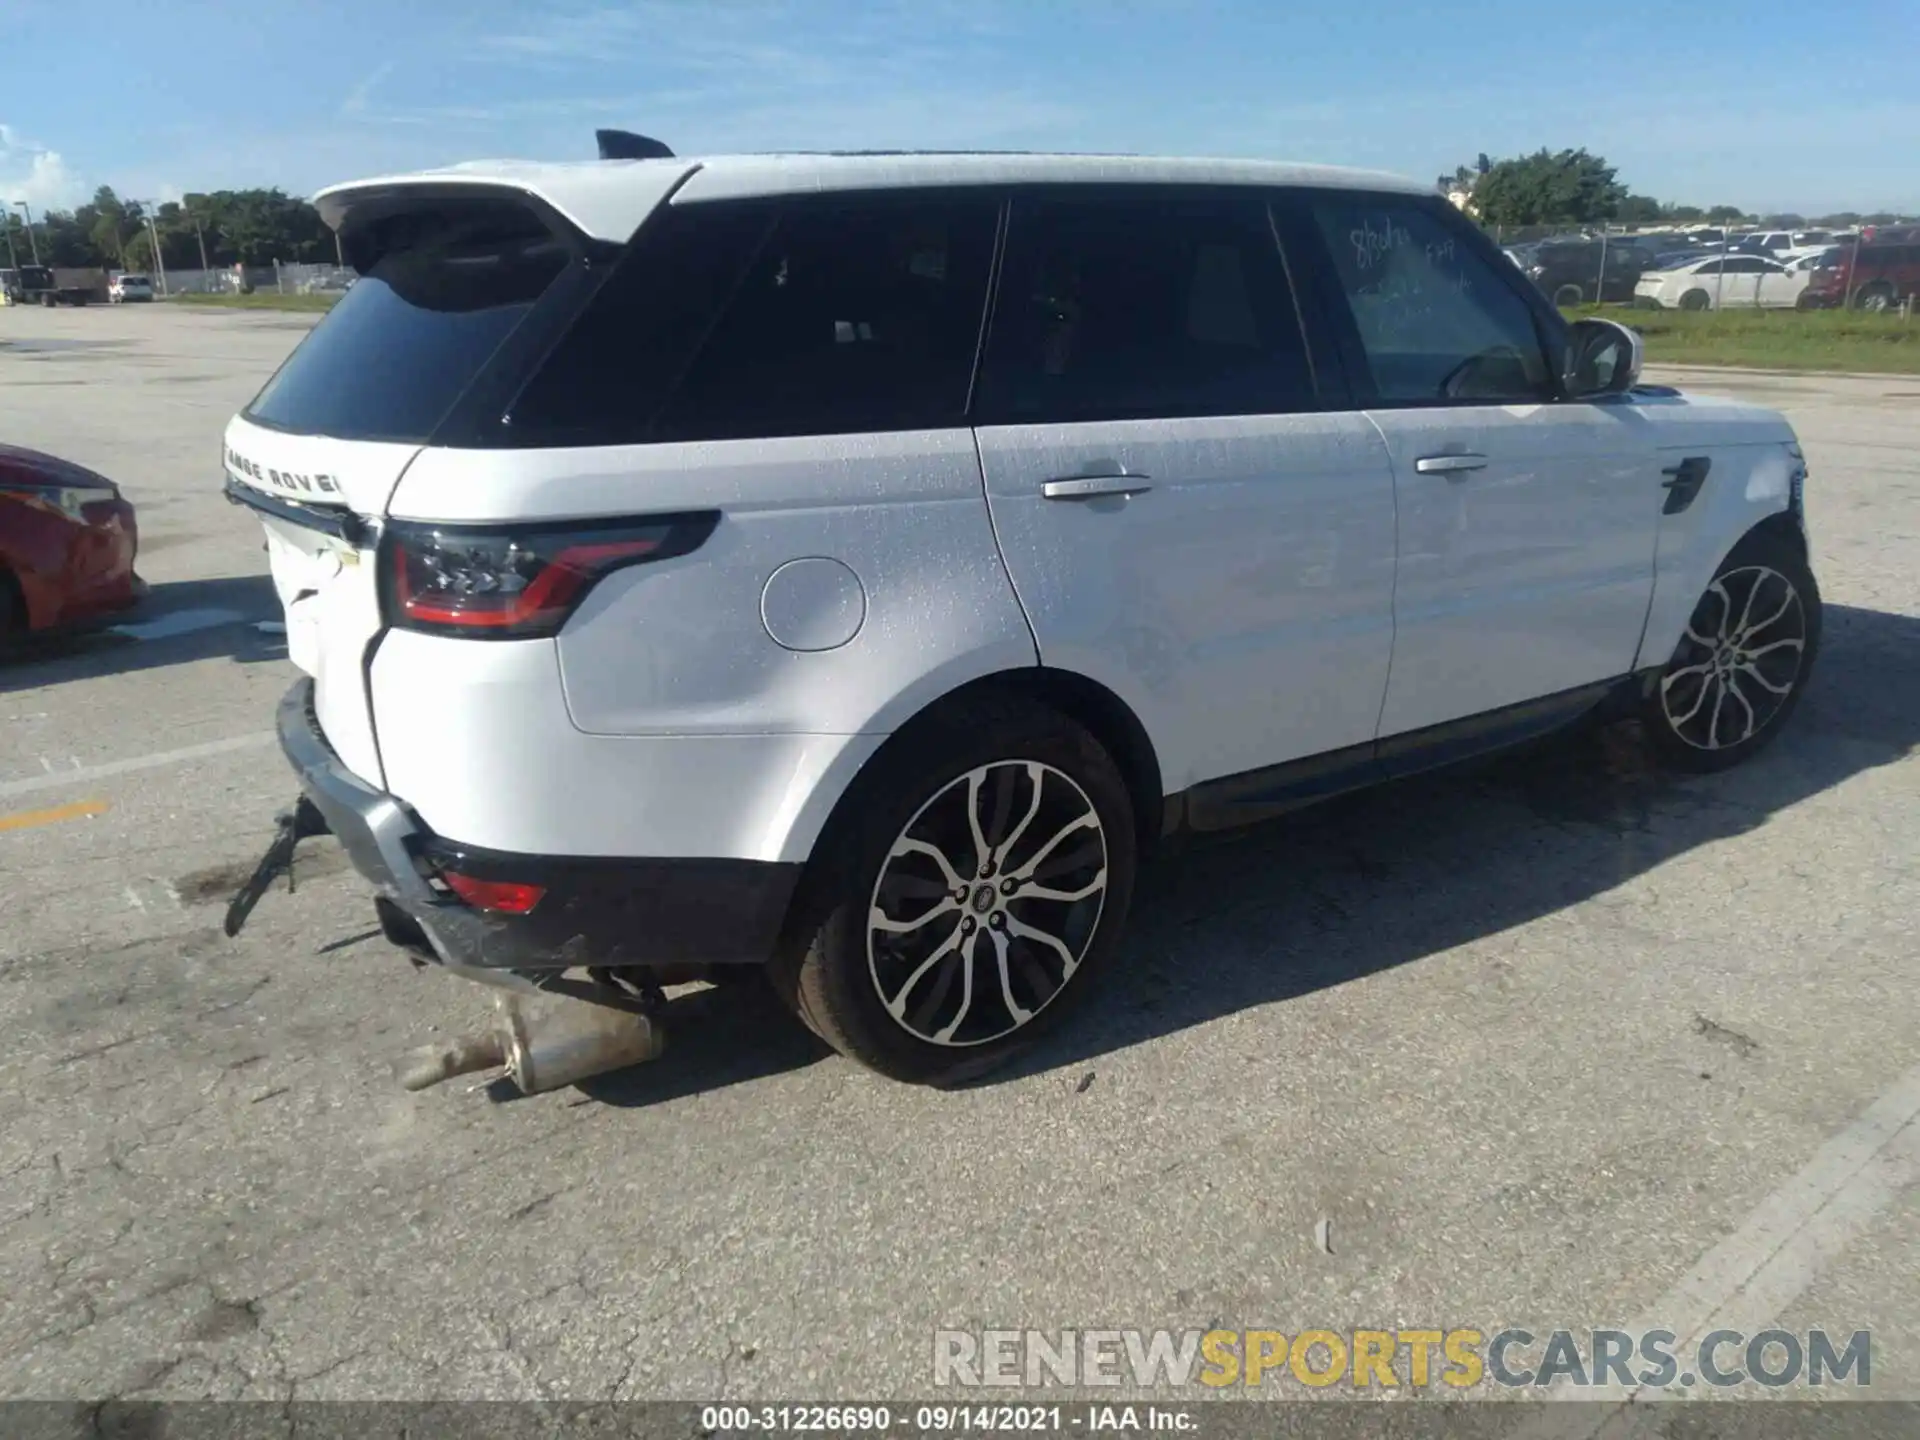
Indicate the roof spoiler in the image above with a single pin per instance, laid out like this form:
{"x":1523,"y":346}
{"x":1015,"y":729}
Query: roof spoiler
{"x":625,"y":145}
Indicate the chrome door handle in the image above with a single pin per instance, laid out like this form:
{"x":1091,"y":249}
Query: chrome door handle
{"x":1449,"y":464}
{"x":1090,"y":487}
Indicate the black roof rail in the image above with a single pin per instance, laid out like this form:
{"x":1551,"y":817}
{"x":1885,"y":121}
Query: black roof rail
{"x":625,"y":145}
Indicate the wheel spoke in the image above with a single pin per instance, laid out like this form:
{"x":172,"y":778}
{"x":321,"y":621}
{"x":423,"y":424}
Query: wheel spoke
{"x":1753,"y":719}
{"x":1726,"y":609}
{"x":1747,"y":632}
{"x":1753,"y":671}
{"x":1019,"y":1013}
{"x":1706,"y":684}
{"x":1047,"y":892}
{"x":1087,"y":821}
{"x":1068,"y":961}
{"x":980,"y":847}
{"x":1739,"y":626}
{"x":933,"y":853}
{"x":967,"y":953}
{"x":1036,"y":776}
{"x":879,"y":920}
{"x":898,"y":1004}
{"x":1772,"y":646}
{"x":1666,"y":682}
{"x":1719,"y":700}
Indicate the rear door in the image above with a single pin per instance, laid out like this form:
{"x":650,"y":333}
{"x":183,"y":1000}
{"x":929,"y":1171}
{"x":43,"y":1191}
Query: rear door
{"x":1182,"y":519}
{"x":320,"y":449}
{"x":1526,"y":523}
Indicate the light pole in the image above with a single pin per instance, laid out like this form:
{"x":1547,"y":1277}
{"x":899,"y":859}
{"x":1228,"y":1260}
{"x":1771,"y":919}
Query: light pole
{"x":31,"y":238}
{"x":159,"y":261}
{"x":13,"y":255}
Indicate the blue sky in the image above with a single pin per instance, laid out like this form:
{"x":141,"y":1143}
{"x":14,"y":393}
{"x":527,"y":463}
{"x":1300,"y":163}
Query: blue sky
{"x":1768,"y":105}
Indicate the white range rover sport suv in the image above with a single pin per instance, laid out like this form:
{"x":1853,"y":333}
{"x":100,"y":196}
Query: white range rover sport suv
{"x":853,"y":565}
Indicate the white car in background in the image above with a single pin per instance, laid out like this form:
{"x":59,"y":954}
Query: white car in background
{"x":123,"y":288}
{"x":1724,"y":282}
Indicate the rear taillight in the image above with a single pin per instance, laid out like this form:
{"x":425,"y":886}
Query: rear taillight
{"x":503,"y":897}
{"x":519,"y":583}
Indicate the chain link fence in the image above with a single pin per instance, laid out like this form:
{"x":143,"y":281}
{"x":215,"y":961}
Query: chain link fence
{"x":277,"y":278}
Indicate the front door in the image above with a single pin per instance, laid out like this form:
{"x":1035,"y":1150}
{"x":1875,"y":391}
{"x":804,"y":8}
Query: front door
{"x":1526,"y":522}
{"x":1182,"y":523}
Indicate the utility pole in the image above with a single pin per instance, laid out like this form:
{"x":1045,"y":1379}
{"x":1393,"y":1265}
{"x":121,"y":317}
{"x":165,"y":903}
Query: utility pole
{"x":153,"y":234}
{"x":32,"y":239}
{"x":13,"y":255}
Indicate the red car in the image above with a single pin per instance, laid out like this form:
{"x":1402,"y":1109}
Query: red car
{"x":67,"y":542}
{"x":1878,"y":274}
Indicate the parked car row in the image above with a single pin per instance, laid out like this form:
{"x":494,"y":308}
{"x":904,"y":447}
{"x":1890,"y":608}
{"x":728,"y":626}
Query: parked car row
{"x":1869,"y":276}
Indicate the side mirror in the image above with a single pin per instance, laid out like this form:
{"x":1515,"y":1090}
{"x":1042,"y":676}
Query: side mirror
{"x":1603,"y":358}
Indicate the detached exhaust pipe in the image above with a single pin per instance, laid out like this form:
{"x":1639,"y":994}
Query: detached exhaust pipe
{"x":545,"y":1042}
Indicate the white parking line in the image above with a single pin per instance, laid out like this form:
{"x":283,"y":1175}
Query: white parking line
{"x":60,"y":779}
{"x":181,"y":622}
{"x":1752,"y":1276}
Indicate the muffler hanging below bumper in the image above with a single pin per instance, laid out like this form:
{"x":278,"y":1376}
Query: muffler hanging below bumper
{"x":544,"y":1041}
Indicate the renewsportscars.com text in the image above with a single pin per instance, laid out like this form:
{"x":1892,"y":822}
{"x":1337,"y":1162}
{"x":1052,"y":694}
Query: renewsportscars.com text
{"x":1442,"y":1360}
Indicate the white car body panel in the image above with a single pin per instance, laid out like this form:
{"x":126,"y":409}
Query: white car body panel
{"x":682,"y":646}
{"x":1242,"y":607}
{"x":1525,"y":578}
{"x":1750,"y":480}
{"x":327,"y":585}
{"x":478,"y":742}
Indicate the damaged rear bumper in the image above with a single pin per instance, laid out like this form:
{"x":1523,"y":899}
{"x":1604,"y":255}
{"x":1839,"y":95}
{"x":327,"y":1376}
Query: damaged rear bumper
{"x":593,"y":912}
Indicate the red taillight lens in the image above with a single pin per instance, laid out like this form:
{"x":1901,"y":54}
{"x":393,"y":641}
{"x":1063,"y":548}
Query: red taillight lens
{"x":515,"y":584}
{"x":508,"y":897}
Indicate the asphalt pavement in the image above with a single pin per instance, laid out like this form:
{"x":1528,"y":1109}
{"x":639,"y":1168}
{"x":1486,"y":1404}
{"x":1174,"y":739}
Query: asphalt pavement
{"x":1556,"y":1041}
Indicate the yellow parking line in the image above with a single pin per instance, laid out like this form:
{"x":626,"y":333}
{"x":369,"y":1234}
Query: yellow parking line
{"x":27,"y":819}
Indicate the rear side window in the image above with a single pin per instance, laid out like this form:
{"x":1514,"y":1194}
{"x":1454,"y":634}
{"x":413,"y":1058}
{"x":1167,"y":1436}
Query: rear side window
{"x":1142,"y":305}
{"x":816,"y":316}
{"x":394,"y":354}
{"x":1437,"y":322}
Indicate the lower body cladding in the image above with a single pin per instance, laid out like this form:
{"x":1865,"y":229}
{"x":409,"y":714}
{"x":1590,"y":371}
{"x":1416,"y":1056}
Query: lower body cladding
{"x":520,"y":922}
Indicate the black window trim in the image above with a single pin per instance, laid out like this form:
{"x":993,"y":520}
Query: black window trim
{"x":1550,"y":327}
{"x":1327,"y":377}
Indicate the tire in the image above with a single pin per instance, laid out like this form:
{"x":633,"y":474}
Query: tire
{"x":13,"y":612}
{"x":1570,"y":295}
{"x":1764,"y":600}
{"x":1696,"y":300}
{"x":1877,"y":298}
{"x":900,"y":851}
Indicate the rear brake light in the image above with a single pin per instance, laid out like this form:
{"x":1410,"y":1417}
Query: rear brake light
{"x":516,"y":583}
{"x":507,"y":897}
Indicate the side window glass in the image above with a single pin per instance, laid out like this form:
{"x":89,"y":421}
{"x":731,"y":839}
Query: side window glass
{"x":860,"y":313}
{"x":607,"y":381}
{"x":1142,"y":305}
{"x":816,"y":316}
{"x":1437,"y":324}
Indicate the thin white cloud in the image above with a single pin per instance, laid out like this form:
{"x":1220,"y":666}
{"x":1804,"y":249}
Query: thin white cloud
{"x":356,"y":99}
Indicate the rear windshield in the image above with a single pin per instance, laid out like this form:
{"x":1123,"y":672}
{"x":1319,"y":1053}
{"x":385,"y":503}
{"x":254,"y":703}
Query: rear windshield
{"x":406,"y":340}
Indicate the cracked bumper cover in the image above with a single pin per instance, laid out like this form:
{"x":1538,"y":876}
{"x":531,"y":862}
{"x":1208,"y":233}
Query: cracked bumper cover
{"x":596,"y":911}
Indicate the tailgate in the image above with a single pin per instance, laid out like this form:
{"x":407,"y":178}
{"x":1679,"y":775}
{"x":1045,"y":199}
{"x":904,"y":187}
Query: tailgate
{"x":317,"y":499}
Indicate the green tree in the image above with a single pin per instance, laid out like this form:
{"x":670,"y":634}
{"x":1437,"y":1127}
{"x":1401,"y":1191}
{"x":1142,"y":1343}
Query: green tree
{"x":1684,"y":213}
{"x":1638,"y":210}
{"x":1725,"y":214}
{"x":1567,"y":187}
